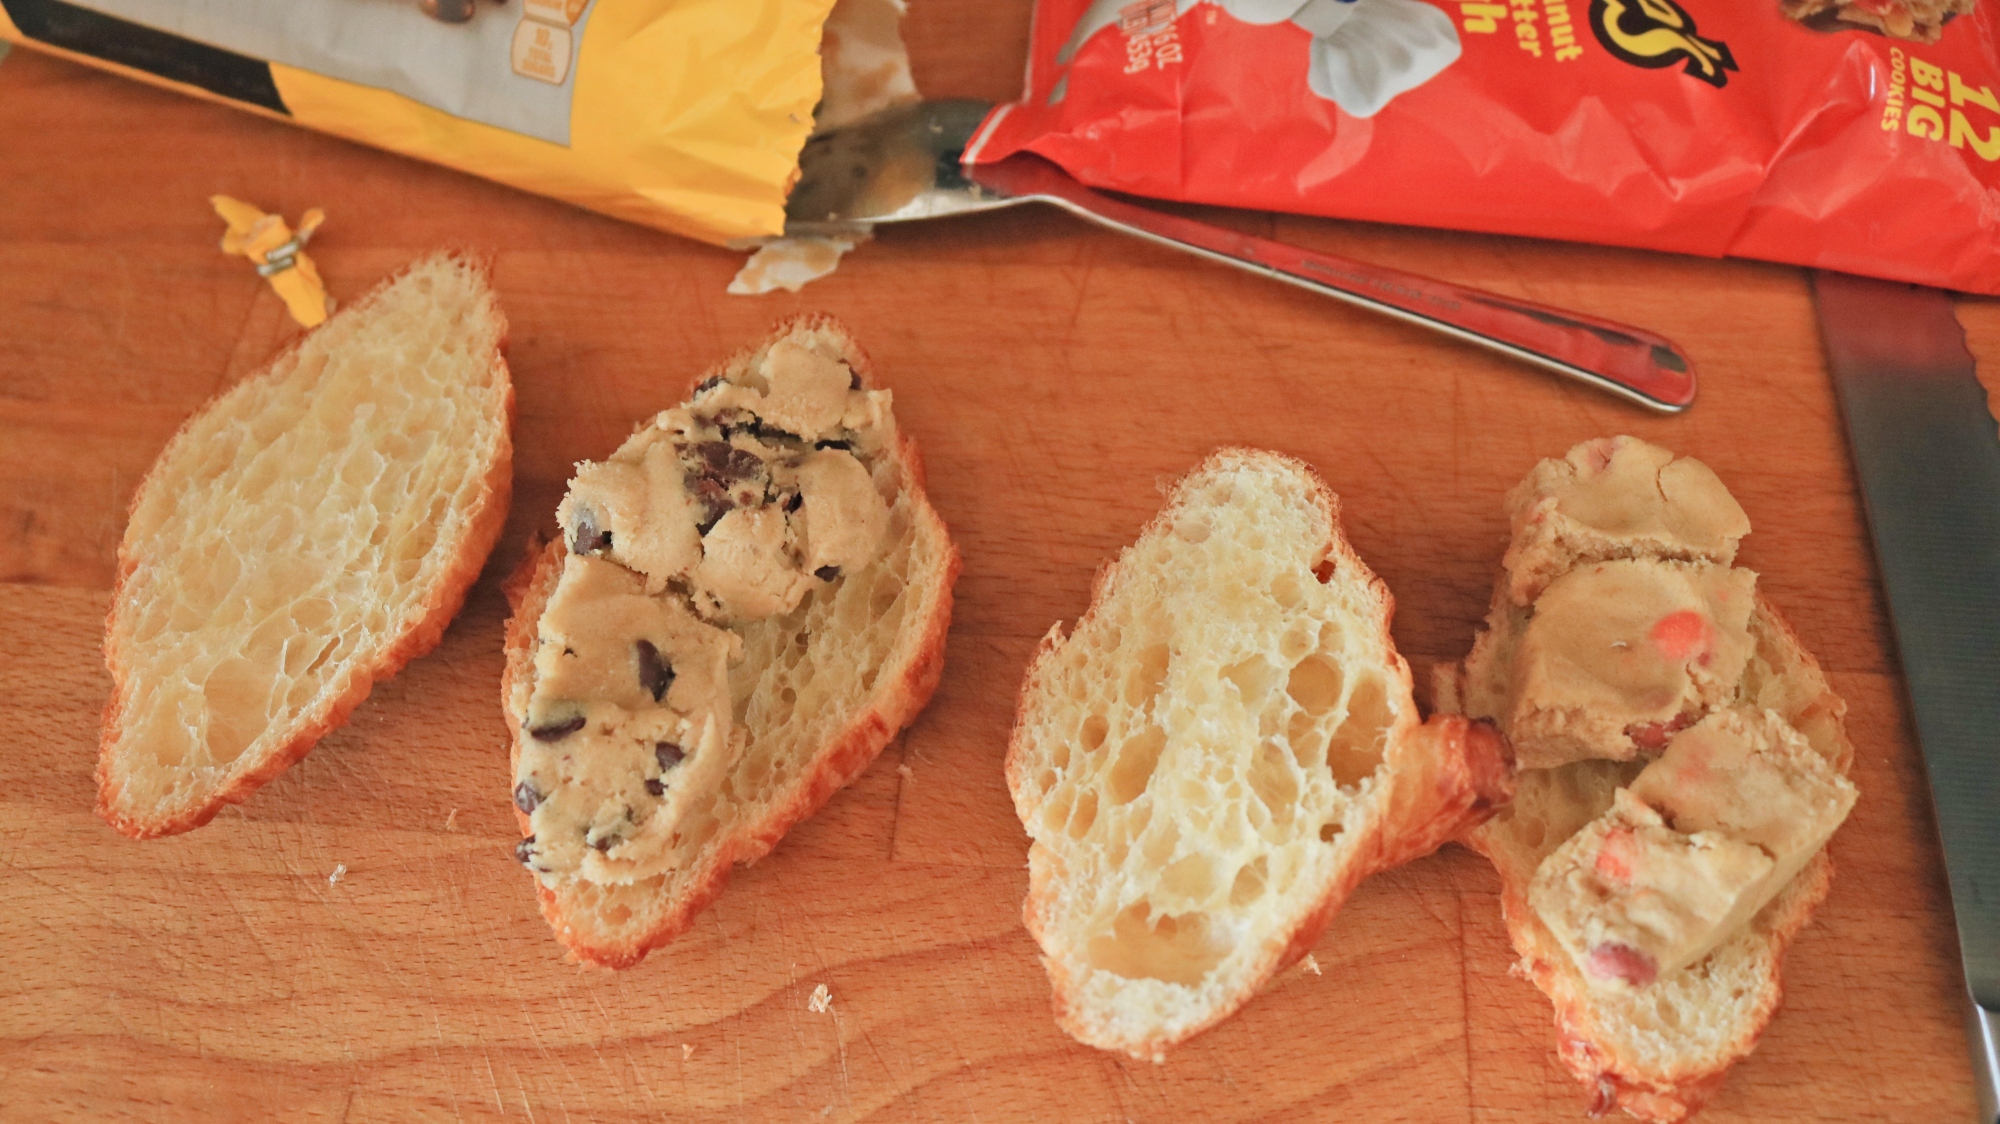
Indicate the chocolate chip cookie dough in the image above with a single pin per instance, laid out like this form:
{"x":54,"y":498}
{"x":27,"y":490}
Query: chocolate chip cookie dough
{"x":721,"y":511}
{"x":748,"y":495}
{"x":628,"y":721}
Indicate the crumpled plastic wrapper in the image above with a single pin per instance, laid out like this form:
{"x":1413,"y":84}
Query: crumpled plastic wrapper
{"x":864,"y":69}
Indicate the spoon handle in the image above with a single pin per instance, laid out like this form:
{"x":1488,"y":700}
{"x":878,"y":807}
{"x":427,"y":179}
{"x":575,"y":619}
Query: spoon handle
{"x":1630,"y":362}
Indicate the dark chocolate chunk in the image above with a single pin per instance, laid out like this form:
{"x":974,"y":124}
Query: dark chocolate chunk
{"x":720,"y":477}
{"x":656,"y":788}
{"x":524,"y":851}
{"x":606,"y":841}
{"x":714,"y":500}
{"x":795,"y":501}
{"x":827,"y":573}
{"x":708,"y":384}
{"x":669,"y":754}
{"x":556,"y":731}
{"x":526,"y":798}
{"x":589,"y":537}
{"x":655,"y":674}
{"x":726,"y":462}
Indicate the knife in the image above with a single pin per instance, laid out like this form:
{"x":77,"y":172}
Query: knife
{"x":1927,"y":449}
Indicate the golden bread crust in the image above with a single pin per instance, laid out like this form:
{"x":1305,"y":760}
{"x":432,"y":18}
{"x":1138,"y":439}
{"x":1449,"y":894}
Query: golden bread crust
{"x":485,"y":515}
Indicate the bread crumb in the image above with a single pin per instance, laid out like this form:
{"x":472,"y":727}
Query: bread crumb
{"x":451,"y":821}
{"x":1310,"y":964}
{"x":821,"y":1001}
{"x":339,"y":872}
{"x":687,"y":1051}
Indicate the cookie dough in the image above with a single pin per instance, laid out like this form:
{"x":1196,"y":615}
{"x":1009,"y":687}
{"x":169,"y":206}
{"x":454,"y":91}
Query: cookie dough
{"x":628,"y":721}
{"x":1616,"y":497}
{"x":1918,"y":21}
{"x":1630,"y":899}
{"x":727,"y":509}
{"x":1613,"y":658}
{"x":1701,"y":841}
{"x":1748,"y":774}
{"x":748,"y":496}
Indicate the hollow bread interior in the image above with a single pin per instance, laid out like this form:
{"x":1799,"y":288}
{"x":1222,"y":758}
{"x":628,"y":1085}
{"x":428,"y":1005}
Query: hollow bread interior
{"x":1196,"y":762}
{"x":295,"y":538}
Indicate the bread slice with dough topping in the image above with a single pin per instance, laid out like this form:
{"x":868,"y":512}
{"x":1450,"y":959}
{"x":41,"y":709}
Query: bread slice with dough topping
{"x":1218,"y":752}
{"x":308,"y":532}
{"x":1651,"y":1022}
{"x":748,"y":601}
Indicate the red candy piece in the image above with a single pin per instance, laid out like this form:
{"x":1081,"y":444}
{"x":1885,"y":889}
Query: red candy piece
{"x":1612,"y":961}
{"x":1654,"y":736}
{"x":1682,"y":636}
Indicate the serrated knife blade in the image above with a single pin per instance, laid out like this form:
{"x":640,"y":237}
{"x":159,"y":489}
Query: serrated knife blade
{"x":1927,"y":450}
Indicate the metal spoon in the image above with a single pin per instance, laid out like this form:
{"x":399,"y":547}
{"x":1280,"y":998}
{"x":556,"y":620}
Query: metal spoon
{"x":906,"y":163}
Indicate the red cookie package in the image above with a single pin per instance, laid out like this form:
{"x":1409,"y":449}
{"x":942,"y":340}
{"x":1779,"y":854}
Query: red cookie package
{"x":1856,"y":135}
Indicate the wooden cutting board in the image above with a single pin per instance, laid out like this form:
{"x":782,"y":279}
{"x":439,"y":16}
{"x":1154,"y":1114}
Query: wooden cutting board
{"x":1055,"y":376}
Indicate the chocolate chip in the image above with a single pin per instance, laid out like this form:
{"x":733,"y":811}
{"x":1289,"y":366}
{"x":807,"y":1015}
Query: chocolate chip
{"x":526,"y":798}
{"x":827,"y":573}
{"x":655,"y":674}
{"x":606,"y":841}
{"x":669,"y":754}
{"x":1654,"y":736}
{"x":708,"y":384}
{"x":726,"y":462}
{"x":524,"y":851}
{"x":589,"y":537}
{"x":657,"y":788}
{"x":556,"y":731}
{"x":722,"y":477}
{"x":714,"y":500}
{"x":734,"y":422}
{"x":843,"y":446}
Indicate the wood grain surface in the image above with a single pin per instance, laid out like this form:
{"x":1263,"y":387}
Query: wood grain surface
{"x":1055,"y":376}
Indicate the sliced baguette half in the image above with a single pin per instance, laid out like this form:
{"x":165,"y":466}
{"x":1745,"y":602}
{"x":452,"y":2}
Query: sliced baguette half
{"x":816,"y":695}
{"x":308,"y":532}
{"x":1218,"y":752}
{"x":1659,"y":1053}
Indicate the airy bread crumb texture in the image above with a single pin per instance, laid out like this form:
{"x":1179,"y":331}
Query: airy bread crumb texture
{"x":817,"y":694}
{"x":308,"y":532}
{"x":1201,"y":762}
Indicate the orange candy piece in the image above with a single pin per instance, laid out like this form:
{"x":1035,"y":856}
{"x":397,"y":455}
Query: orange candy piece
{"x":1682,"y":636}
{"x":1614,"y":859}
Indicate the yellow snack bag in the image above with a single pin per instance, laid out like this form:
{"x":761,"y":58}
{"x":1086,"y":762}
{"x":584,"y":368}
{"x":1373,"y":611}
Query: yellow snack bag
{"x":685,"y":115}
